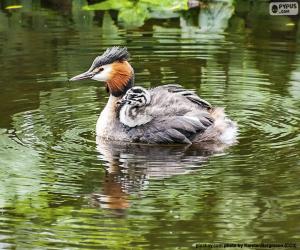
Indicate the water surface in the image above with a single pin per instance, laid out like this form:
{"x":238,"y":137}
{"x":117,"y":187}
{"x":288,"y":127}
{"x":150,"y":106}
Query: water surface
{"x":60,"y":190}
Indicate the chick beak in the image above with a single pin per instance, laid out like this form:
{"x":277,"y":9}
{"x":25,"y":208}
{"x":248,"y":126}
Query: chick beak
{"x":83,"y":76}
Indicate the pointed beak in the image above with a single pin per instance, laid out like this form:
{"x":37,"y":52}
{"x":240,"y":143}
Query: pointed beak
{"x":83,"y":76}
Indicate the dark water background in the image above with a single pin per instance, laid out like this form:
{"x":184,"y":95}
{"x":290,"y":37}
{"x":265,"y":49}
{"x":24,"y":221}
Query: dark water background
{"x":58,"y":190}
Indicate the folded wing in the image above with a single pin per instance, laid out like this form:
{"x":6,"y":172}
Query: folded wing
{"x":174,"y":115}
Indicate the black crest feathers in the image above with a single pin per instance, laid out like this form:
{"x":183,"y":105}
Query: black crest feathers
{"x":111,"y":55}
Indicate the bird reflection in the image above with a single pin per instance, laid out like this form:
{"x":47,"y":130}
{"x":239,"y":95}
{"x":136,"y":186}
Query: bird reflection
{"x":129,"y":168}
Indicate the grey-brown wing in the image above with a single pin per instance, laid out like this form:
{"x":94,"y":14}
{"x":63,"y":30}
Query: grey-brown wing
{"x":177,"y":129}
{"x":187,"y":93}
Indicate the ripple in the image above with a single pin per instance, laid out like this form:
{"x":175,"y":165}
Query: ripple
{"x":59,"y":189}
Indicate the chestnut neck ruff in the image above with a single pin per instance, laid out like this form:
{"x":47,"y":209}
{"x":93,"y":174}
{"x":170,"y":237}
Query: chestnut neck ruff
{"x":121,"y":79}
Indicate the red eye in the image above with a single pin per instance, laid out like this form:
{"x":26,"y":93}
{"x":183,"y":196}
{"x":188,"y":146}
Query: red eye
{"x":97,"y":70}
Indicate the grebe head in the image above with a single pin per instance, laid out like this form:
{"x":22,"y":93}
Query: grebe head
{"x":136,"y":97}
{"x":113,"y":68}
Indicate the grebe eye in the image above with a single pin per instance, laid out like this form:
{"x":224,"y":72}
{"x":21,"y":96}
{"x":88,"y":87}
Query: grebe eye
{"x":97,"y":70}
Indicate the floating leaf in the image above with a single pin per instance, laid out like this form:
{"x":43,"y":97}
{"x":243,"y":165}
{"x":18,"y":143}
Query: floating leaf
{"x":134,"y":17}
{"x":134,"y":13}
{"x":290,"y":24}
{"x":174,"y":5}
{"x":12,"y":7}
{"x":109,"y":5}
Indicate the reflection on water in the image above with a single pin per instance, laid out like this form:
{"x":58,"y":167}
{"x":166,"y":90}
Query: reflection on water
{"x":130,"y":167}
{"x":60,"y":189}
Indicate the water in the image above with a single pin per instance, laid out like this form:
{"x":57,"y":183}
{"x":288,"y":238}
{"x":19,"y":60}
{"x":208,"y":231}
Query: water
{"x":59,"y":190}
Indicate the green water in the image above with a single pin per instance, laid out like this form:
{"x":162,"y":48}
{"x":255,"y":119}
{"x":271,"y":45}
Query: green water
{"x":59,"y":190}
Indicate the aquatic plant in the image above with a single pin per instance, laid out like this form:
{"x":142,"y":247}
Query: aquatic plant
{"x":134,"y":13}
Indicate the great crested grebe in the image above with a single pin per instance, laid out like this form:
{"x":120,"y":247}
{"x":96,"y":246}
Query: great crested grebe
{"x":165,"y":114}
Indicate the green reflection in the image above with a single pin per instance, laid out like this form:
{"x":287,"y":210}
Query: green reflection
{"x":135,"y":13}
{"x":60,"y":190}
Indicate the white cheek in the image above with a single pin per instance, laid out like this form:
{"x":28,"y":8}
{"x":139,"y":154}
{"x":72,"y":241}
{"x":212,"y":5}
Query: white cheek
{"x":104,"y":74}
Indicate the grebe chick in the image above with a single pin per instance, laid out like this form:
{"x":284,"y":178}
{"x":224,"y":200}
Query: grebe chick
{"x":132,"y":107}
{"x":164,"y":114}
